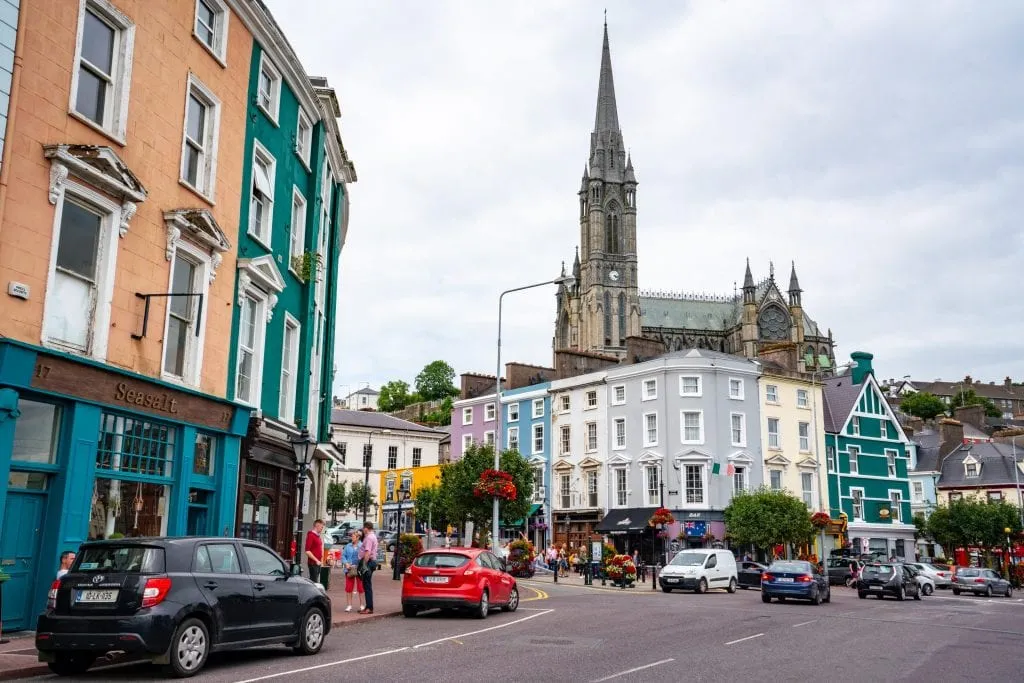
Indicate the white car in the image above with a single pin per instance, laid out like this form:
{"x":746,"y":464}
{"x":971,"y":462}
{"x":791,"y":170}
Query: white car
{"x":942,"y":578}
{"x":924,"y":582}
{"x":700,"y":570}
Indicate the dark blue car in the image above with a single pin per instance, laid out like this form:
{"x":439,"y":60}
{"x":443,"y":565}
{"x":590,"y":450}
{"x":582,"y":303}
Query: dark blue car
{"x":794,"y":579}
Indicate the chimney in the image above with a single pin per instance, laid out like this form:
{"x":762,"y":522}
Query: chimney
{"x":972,"y":415}
{"x":968,"y":381}
{"x":863,"y":366}
{"x":951,"y":436}
{"x":1007,"y":382}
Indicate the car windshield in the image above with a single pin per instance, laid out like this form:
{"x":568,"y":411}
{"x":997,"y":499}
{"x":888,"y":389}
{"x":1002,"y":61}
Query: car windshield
{"x":441,"y":560}
{"x":121,"y":559}
{"x":791,"y":567}
{"x":969,"y":572}
{"x":839,"y":563}
{"x":689,"y":559}
{"x":879,"y":570}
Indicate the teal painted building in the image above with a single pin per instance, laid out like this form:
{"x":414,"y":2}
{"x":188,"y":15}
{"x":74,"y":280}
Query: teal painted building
{"x":868,"y":461}
{"x":292,"y":225}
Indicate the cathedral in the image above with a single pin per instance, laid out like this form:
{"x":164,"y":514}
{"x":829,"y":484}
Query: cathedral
{"x":604,"y":306}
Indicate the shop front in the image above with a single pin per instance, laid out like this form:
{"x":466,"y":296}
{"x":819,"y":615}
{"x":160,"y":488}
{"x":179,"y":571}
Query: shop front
{"x":628,"y":531}
{"x":574,"y":528}
{"x":884,"y":541}
{"x":91,"y":452}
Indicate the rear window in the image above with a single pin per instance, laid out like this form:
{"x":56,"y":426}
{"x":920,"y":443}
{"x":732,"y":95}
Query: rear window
{"x":441,"y":560}
{"x":968,"y":572}
{"x":121,"y":559}
{"x":879,"y":570}
{"x":791,"y":567}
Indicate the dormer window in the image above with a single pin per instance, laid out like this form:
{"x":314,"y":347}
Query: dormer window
{"x":971,"y":470}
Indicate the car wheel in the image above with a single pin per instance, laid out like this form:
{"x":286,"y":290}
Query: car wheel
{"x":71,"y":663}
{"x":311,"y":633}
{"x":409,"y":611}
{"x":988,"y":591}
{"x":815,"y":596}
{"x":190,"y":647}
{"x":956,"y":591}
{"x":484,"y":607}
{"x":666,"y":589}
{"x":765,"y":597}
{"x":1009,"y":591}
{"x":732,"y":586}
{"x":900,"y":594}
{"x":917,"y":594}
{"x":513,"y":601}
{"x":927,"y":589}
{"x":702,"y":586}
{"x":828,"y":594}
{"x":862,"y":595}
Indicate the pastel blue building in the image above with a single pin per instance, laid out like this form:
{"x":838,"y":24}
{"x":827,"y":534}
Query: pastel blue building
{"x":526,"y":427}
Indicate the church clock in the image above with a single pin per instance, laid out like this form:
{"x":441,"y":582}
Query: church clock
{"x":613,"y":275}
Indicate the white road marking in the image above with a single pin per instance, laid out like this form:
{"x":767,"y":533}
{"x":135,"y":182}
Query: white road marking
{"x":633,"y":670}
{"x":483,"y":630}
{"x":322,"y":666}
{"x":804,"y":623}
{"x":756,"y":635}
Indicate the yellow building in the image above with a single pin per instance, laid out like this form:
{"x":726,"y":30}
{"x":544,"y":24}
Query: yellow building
{"x":406,"y":478}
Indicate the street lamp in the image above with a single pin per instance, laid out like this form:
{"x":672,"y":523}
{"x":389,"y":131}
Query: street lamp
{"x":403,"y":496}
{"x":303,"y":445}
{"x":562,"y":279}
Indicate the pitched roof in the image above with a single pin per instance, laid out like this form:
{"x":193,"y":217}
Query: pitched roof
{"x":371,"y":420}
{"x":991,"y":391}
{"x":840,"y":396}
{"x":994,"y":461}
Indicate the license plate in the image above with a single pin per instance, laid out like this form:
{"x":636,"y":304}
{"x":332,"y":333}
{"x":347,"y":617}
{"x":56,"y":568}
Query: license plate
{"x":436,"y":579}
{"x":875,"y":588}
{"x":784,"y":579}
{"x":97,"y":596}
{"x":671,"y":580}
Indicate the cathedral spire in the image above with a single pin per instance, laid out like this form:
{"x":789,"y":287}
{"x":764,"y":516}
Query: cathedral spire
{"x":607,"y":118}
{"x":794,"y":284}
{"x":748,"y":278}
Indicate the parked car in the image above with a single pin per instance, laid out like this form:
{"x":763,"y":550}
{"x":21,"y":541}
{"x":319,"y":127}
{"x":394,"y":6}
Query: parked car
{"x":176,"y":600}
{"x":925,"y":583}
{"x":981,"y":582}
{"x":748,"y":574}
{"x":941,"y":577}
{"x":794,"y":579}
{"x":839,"y":569}
{"x":887,"y":579}
{"x":387,"y":540}
{"x":700,"y":569}
{"x":458,"y":578}
{"x":340,"y":533}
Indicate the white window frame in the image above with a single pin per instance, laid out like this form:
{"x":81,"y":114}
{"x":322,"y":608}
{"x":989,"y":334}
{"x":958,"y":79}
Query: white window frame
{"x":774,"y":437}
{"x":489,"y":437}
{"x":652,"y":385}
{"x":116,"y":104}
{"x":647,"y":441}
{"x":263,"y":237}
{"x":854,"y":504}
{"x":995,"y":496}
{"x":896,"y":505}
{"x":684,"y":485}
{"x":742,"y":441}
{"x":621,"y":490}
{"x":616,"y":391}
{"x":564,"y":439}
{"x":855,"y":426}
{"x":917,"y":491}
{"x":106,"y":267}
{"x":682,"y":426}
{"x":803,"y":431}
{"x":738,"y":396}
{"x":592,"y":477}
{"x":289,"y":375}
{"x":538,"y":407}
{"x":802,"y":398}
{"x":260,"y":333}
{"x":807,"y":494}
{"x":830,"y":458}
{"x":967,"y":471}
{"x":206,"y":178}
{"x":590,"y":437}
{"x":771,"y":484}
{"x":303,"y":141}
{"x":853,"y":456}
{"x":619,"y":433}
{"x":219,"y":29}
{"x":891,"y":457}
{"x":297,"y":229}
{"x":467,"y":415}
{"x":273,"y":108}
{"x":192,"y":374}
{"x":467,"y":442}
{"x":512,"y":439}
{"x":564,"y":491}
{"x":513,"y":412}
{"x":591,"y":400}
{"x":538,"y":438}
{"x":771,"y":393}
{"x":682,"y":385}
{"x":739,"y":479}
{"x":652,"y":492}
{"x":490,"y":412}
{"x":564,"y":403}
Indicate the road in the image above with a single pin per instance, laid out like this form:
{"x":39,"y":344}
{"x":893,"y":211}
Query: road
{"x":593,"y":634}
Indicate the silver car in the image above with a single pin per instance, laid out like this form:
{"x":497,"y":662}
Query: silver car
{"x":981,"y":582}
{"x":940,"y":577}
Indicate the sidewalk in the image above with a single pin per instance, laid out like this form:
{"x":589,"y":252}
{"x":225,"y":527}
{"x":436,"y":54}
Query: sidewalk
{"x":574,"y":579}
{"x":18,"y":658}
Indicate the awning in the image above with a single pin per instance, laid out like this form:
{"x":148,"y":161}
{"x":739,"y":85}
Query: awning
{"x":522,"y":522}
{"x":625,"y":519}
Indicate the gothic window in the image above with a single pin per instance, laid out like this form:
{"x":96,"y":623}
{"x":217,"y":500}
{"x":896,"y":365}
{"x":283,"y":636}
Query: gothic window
{"x":607,"y":318}
{"x":612,"y":233}
{"x":773,"y":324}
{"x":622,"y":319}
{"x":563,"y":331}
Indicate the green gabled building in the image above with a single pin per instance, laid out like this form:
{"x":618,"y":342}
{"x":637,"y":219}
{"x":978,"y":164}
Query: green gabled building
{"x":292,"y":225}
{"x":867,"y":459}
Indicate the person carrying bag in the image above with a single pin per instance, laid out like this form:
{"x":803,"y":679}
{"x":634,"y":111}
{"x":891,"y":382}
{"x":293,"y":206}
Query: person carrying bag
{"x":367,"y":565}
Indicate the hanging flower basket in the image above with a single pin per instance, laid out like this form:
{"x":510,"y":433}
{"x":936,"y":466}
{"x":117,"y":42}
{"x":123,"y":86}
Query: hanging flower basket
{"x":539,"y":526}
{"x":520,"y":558}
{"x":661,"y":516}
{"x":820,"y":520}
{"x":495,"y":484}
{"x":621,"y":569}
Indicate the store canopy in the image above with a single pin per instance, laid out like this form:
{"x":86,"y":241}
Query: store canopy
{"x":625,"y":519}
{"x":522,"y":522}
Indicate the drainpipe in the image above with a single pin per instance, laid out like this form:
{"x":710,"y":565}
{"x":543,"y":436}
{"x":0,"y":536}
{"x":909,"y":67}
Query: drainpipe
{"x":12,"y":111}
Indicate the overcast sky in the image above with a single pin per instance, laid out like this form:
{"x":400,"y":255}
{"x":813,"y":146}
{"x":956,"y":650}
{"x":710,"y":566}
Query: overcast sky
{"x":878,"y":144}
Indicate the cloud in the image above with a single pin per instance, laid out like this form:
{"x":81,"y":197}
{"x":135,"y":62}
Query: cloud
{"x":877,"y":144}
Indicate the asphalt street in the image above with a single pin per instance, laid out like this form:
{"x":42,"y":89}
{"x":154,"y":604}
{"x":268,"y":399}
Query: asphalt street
{"x":566,"y":632}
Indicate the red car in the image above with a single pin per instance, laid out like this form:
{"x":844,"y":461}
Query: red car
{"x":458,"y":578}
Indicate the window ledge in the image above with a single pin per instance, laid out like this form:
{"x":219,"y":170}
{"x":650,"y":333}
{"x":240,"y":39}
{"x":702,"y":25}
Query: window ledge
{"x":213,"y":53}
{"x":270,"y":117}
{"x":303,"y":161}
{"x":259,"y":240}
{"x":196,"y":191}
{"x":115,"y":137}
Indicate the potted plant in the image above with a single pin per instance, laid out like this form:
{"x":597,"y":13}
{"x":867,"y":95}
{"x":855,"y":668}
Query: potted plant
{"x":621,"y":570}
{"x":820,"y":520}
{"x":521,"y":555}
{"x":495,"y":484}
{"x":409,"y":546}
{"x":661,"y":517}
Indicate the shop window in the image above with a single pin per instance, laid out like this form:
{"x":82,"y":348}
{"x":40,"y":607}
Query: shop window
{"x":257,"y":521}
{"x":128,"y":444}
{"x":127,"y":509}
{"x":264,"y":478}
{"x":202,"y":458}
{"x":250,"y":473}
{"x":36,"y":432}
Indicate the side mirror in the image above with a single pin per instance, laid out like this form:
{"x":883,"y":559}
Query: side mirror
{"x":294,"y":569}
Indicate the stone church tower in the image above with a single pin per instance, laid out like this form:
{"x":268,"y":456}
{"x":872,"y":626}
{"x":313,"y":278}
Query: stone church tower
{"x":602,"y":308}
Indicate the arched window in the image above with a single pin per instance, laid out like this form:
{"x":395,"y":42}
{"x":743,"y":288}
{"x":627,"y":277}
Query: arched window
{"x":563,"y":331}
{"x":773,"y":324}
{"x":622,"y":319}
{"x":612,"y":237}
{"x":607,"y":318}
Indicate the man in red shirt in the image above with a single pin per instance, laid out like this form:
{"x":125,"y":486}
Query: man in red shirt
{"x":315,"y":550}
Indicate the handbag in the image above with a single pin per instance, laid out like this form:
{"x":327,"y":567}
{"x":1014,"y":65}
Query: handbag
{"x":352,"y":572}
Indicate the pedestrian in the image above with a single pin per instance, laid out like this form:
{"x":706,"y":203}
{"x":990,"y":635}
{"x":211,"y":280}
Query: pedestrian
{"x":67,"y":558}
{"x":367,"y":565}
{"x":350,"y":563}
{"x":315,"y":550}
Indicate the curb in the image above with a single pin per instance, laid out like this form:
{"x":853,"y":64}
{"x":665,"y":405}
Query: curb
{"x":28,"y":671}
{"x":363,"y":620}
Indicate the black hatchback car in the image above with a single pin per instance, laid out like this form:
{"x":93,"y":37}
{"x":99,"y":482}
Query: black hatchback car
{"x":895,"y":579}
{"x":176,"y":600}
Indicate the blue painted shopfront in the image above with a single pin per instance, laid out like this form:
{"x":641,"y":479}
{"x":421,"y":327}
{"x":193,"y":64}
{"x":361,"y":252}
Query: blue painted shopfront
{"x":89,"y":451}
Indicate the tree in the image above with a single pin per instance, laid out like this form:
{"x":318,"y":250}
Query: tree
{"x":359,"y":495}
{"x":971,"y":398}
{"x":436,"y":381}
{"x":458,"y":502}
{"x":394,"y":396}
{"x":923,"y":405}
{"x":441,"y":416}
{"x":337,"y":499}
{"x":428,"y":505}
{"x":768,"y":517}
{"x":973,"y":522}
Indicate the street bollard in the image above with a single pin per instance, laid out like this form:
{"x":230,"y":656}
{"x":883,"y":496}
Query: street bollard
{"x":654,"y":577}
{"x":556,"y":571}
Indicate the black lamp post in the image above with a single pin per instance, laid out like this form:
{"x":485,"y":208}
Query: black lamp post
{"x":403,"y":495}
{"x":304,"y":446}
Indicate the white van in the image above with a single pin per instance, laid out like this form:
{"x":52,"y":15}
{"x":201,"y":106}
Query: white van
{"x":700,"y":569}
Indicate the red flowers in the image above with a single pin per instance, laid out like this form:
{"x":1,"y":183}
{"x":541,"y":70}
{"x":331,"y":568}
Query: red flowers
{"x":661,"y":516}
{"x":621,"y":567}
{"x":820,"y":520}
{"x":495,"y":484}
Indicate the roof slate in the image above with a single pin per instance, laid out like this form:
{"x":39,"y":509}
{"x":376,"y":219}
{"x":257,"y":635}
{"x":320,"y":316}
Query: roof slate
{"x":840,"y":396}
{"x":373,"y":420}
{"x":995,"y":469}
